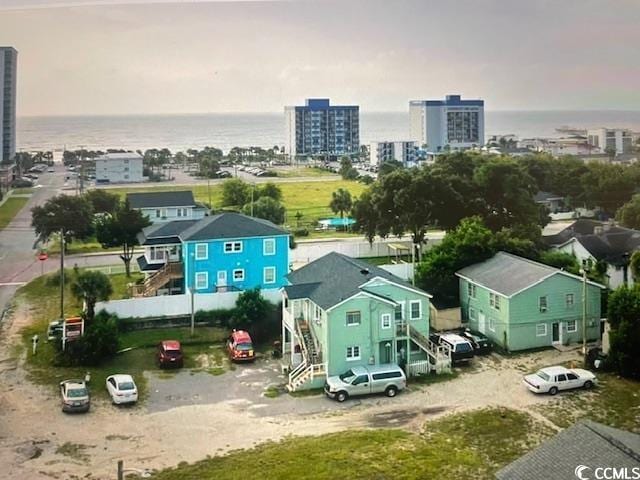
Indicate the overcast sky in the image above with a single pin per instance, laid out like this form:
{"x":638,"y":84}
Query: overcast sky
{"x":108,"y":57}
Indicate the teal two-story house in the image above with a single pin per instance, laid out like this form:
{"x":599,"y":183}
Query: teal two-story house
{"x":219,"y":253}
{"x":339,"y":312}
{"x":521,"y":304}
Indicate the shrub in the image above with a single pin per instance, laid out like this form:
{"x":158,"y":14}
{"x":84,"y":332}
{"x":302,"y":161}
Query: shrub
{"x":100,"y":341}
{"x":301,"y":232}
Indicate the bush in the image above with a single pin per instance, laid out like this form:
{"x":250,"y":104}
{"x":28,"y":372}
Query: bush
{"x":301,"y":232}
{"x":99,"y":342}
{"x":256,"y":315}
{"x":21,"y":183}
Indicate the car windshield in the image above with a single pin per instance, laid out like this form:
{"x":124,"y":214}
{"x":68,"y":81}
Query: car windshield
{"x":244,"y":346}
{"x":173,"y":353}
{"x":543,"y":376}
{"x":463,"y":347}
{"x":347,"y":376}
{"x":77,"y":392}
{"x":126,"y":386}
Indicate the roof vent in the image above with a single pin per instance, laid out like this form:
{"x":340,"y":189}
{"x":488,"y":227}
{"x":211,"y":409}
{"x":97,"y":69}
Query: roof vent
{"x":364,"y":271}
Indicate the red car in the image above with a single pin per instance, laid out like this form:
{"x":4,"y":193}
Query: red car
{"x":240,"y":346}
{"x":169,"y":354}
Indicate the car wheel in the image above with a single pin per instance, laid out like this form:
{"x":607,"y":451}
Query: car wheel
{"x":553,"y":390}
{"x":391,"y":391}
{"x":588,"y":384}
{"x":341,"y":396}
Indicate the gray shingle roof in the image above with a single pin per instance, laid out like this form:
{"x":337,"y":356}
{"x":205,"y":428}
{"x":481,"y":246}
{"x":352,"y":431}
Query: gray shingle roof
{"x":333,"y":278}
{"x":164,"y":233}
{"x":161,"y":199}
{"x":230,"y":225}
{"x":506,"y":274}
{"x":586,"y":443}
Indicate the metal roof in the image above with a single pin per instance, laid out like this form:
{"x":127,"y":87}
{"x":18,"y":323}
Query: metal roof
{"x":230,"y":225}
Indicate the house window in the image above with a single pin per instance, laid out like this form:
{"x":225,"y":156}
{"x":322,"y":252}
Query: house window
{"x":238,"y":275}
{"x":385,"y":320}
{"x":471,"y":290}
{"x":158,"y":213}
{"x":415,"y":311}
{"x":353,"y":352}
{"x":494,"y":301}
{"x":202,"y":280}
{"x":542,"y":304}
{"x":492,"y":324}
{"x":316,"y":312}
{"x":182,"y":212}
{"x":569,"y":300}
{"x":269,"y":246}
{"x":541,"y":330}
{"x":157,"y":253}
{"x":353,"y":318}
{"x":472,"y":314}
{"x":269,"y":274}
{"x":399,"y":311}
{"x":202,"y":251}
{"x":232,"y":247}
{"x":572,"y":326}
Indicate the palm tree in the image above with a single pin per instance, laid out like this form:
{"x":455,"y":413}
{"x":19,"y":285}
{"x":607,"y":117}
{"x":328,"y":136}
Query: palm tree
{"x":91,"y":287}
{"x":341,"y":201}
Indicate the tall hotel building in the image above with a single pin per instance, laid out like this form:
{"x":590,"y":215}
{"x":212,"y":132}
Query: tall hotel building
{"x":318,"y":128}
{"x":454,"y":123}
{"x":8,"y":73}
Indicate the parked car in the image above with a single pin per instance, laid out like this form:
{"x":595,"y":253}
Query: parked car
{"x":75,"y":396}
{"x":170,"y":354}
{"x":461,"y":348}
{"x":481,"y":344}
{"x":50,"y":170}
{"x":223,"y":174}
{"x":240,"y":347}
{"x":122,"y":389}
{"x":387,"y":378}
{"x":553,"y":379}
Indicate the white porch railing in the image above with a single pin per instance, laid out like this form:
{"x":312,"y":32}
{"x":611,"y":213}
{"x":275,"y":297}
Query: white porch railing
{"x":421,"y":367}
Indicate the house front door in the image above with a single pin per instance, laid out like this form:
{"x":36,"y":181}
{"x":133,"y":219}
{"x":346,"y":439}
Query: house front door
{"x":222,"y":279}
{"x":556,"y":336}
{"x":481,"y":322}
{"x":385,"y":352}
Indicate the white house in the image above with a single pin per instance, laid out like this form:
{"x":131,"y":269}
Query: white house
{"x":162,"y":207}
{"x":119,"y":168}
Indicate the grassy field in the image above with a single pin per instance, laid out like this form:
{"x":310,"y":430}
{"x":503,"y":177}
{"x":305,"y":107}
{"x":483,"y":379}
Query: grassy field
{"x":10,"y":209}
{"x":309,"y":198}
{"x":90,"y":245}
{"x":616,"y":402}
{"x":203,"y":352}
{"x":23,"y":191}
{"x":304,"y":172}
{"x":471,"y":445}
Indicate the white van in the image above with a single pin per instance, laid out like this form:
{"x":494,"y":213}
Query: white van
{"x":388,"y":378}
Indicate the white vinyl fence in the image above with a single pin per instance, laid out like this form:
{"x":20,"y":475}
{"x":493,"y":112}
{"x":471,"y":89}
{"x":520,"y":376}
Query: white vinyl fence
{"x":401,"y":270}
{"x":176,"y":305}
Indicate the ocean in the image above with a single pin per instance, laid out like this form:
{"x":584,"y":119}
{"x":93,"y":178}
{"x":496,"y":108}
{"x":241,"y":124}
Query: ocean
{"x":181,"y":132}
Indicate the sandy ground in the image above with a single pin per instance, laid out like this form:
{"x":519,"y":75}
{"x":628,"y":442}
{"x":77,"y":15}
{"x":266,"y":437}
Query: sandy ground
{"x":32,"y":427}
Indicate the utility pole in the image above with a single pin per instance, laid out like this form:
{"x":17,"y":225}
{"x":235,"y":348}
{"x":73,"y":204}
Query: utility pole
{"x":62,"y":273}
{"x":193,"y":281}
{"x":253,"y":185}
{"x":584,"y":309}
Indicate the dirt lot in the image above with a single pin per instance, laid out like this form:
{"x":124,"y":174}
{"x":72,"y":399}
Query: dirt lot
{"x":189,"y":416}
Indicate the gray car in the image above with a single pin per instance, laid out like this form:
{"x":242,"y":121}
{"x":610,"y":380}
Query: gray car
{"x":388,"y":379}
{"x":75,"y":396}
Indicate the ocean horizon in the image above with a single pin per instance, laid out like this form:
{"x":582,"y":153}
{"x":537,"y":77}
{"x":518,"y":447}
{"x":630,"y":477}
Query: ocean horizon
{"x":179,"y":132}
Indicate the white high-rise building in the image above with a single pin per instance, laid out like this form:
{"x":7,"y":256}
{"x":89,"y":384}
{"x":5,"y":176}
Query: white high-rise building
{"x":604,"y":139}
{"x":405,"y":152}
{"x":8,"y":76}
{"x":449,"y":124}
{"x":318,"y":128}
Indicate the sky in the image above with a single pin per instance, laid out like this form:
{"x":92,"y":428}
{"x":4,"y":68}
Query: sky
{"x":118,"y":57}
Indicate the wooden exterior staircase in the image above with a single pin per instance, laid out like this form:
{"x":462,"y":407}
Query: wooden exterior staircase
{"x":170,"y":271}
{"x":311,"y":365}
{"x":439,"y":355}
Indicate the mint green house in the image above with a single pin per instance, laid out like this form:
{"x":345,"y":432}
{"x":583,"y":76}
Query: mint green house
{"x":521,"y":304}
{"x":339,"y":312}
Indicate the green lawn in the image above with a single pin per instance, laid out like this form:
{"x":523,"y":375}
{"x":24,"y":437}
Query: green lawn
{"x":89,"y":245}
{"x":10,"y":209}
{"x":23,"y":191}
{"x":310,"y":198}
{"x":304,"y":172}
{"x":471,"y":445}
{"x":203,"y":352}
{"x":615,"y":402}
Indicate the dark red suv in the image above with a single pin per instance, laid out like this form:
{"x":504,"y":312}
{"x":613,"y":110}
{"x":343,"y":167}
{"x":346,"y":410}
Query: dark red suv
{"x":169,"y":354}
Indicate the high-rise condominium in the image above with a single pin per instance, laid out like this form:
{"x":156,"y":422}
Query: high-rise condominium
{"x":318,"y":128}
{"x":451,"y":123}
{"x":8,"y":73}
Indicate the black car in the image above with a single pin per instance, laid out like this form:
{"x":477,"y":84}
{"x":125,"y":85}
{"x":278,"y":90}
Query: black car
{"x":481,"y":344}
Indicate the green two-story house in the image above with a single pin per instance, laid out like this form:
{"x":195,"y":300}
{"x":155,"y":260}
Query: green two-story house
{"x":339,"y":312}
{"x":521,"y":304}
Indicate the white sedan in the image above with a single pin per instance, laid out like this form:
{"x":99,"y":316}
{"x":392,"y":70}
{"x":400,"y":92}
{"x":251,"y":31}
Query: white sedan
{"x":122,"y":389}
{"x":553,"y":379}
